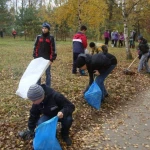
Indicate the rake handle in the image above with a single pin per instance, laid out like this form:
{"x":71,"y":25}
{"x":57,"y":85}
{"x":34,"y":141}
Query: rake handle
{"x":132,"y":62}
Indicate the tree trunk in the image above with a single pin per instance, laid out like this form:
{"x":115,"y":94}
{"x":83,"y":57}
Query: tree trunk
{"x":125,"y":17}
{"x":16,"y":6}
{"x":79,"y":13}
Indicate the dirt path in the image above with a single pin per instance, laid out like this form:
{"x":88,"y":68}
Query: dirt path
{"x":131,"y":129}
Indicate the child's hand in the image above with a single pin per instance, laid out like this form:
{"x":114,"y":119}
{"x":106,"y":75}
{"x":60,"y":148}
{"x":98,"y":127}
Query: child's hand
{"x":60,"y":114}
{"x":50,"y":62}
{"x":96,"y":72}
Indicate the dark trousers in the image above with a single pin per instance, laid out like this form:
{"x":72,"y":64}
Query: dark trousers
{"x":120,"y":43}
{"x":74,"y":67}
{"x":106,"y":41}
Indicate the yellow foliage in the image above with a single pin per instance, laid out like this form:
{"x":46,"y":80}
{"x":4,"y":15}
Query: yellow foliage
{"x":92,"y":12}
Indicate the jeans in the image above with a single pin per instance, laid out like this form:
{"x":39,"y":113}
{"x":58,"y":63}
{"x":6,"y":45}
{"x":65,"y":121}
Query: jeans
{"x":48,"y":77}
{"x":144,"y":62}
{"x":74,"y":68}
{"x":100,"y":80}
{"x":65,"y":123}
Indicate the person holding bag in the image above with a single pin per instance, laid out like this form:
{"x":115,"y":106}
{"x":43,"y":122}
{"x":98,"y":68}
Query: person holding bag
{"x":100,"y":64}
{"x":47,"y":103}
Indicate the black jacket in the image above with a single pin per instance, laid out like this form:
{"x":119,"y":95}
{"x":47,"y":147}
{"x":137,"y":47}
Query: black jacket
{"x":45,"y":47}
{"x":100,"y":62}
{"x":143,"y":46}
{"x":50,"y":106}
{"x":112,"y":58}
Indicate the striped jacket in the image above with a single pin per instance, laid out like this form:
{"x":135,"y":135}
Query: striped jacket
{"x":79,"y":42}
{"x":45,"y":47}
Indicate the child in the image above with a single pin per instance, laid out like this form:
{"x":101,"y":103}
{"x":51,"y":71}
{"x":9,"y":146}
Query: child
{"x":96,"y":48}
{"x":45,"y":47}
{"x":100,"y":64}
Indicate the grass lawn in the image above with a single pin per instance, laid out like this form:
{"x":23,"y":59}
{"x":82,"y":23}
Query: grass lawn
{"x":16,"y":54}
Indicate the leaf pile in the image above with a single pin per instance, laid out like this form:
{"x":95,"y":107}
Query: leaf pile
{"x":86,"y":131}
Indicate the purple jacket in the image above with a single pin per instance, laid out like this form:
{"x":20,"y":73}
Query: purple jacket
{"x":121,"y":37}
{"x":116,"y":36}
{"x":106,"y":34}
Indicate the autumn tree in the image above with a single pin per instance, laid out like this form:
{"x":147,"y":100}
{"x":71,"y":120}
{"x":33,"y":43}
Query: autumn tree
{"x":92,"y":14}
{"x":5,"y":15}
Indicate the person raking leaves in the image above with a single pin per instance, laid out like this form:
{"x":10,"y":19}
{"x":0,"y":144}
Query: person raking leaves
{"x":48,"y":103}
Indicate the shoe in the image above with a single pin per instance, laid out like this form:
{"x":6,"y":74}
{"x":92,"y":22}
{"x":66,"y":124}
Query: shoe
{"x":107,"y":95}
{"x":67,"y":140}
{"x":26,"y":135}
{"x":74,"y":73}
{"x":83,"y":75}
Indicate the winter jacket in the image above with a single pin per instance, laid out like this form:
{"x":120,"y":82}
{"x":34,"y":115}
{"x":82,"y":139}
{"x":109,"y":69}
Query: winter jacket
{"x":50,"y":106}
{"x":96,"y":62}
{"x":97,"y":48}
{"x":116,"y":36}
{"x":112,"y":58}
{"x":45,"y":47}
{"x":143,"y":46}
{"x":112,"y":35}
{"x":79,"y":42}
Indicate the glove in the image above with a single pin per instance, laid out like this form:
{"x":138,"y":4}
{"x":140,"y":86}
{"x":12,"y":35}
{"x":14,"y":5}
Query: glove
{"x":27,"y":134}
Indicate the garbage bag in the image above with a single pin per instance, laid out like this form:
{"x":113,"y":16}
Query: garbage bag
{"x":45,"y":136}
{"x":93,"y":96}
{"x":32,"y":74}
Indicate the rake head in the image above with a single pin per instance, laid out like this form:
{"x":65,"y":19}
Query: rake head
{"x":128,"y":72}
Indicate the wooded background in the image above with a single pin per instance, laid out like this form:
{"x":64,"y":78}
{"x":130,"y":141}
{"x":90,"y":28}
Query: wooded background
{"x":65,"y":17}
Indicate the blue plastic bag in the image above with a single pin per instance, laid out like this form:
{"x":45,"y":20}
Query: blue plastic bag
{"x":45,"y":136}
{"x":93,"y":95}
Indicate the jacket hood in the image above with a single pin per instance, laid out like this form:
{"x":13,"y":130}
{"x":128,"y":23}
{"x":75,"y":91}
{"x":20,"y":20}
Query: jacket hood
{"x":87,"y":57}
{"x":144,"y":41}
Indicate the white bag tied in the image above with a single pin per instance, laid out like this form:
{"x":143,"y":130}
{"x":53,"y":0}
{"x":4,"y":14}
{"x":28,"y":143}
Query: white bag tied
{"x":32,"y":74}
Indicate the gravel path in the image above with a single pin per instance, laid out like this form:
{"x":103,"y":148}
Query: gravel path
{"x":131,"y":129}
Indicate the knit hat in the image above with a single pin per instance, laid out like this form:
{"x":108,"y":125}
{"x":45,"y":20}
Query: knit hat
{"x":46,"y":25}
{"x":80,"y":61}
{"x":35,"y":92}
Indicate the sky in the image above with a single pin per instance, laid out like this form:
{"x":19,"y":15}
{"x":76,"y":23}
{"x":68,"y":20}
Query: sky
{"x":13,"y":2}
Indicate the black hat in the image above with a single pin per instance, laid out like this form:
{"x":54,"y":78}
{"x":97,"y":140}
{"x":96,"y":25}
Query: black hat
{"x":80,"y":61}
{"x":140,"y":37}
{"x":46,"y":25}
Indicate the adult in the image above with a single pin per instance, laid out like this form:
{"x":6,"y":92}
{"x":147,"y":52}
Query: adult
{"x":106,"y":36}
{"x":14,"y":33}
{"x":144,"y":54}
{"x":45,"y":47}
{"x":47,"y":103}
{"x":79,"y":46}
{"x":1,"y":33}
{"x":112,"y":38}
{"x":121,"y":39}
{"x":116,"y":38}
{"x":133,"y":37}
{"x":100,"y":64}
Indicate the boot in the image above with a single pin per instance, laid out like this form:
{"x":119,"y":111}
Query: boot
{"x":67,"y":140}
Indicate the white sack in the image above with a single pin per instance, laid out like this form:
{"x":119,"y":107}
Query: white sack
{"x":32,"y":74}
{"x":86,"y":51}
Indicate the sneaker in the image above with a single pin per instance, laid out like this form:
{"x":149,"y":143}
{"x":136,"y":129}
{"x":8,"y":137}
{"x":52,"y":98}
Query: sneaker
{"x":26,"y":135}
{"x":74,"y":73}
{"x":67,"y":140}
{"x":107,"y":95}
{"x":83,"y":75}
